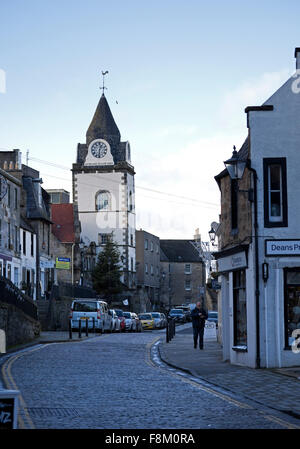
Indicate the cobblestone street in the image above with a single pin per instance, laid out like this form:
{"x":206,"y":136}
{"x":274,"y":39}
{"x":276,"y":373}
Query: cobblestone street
{"x":113,"y":382}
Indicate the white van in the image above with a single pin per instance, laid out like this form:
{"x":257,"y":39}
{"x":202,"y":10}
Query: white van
{"x":90,"y":309}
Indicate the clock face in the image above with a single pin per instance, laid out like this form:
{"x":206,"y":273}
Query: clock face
{"x":99,"y":149}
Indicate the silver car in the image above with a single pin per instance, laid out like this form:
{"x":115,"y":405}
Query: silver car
{"x":158,"y":322}
{"x":115,"y":321}
{"x":130,"y":324}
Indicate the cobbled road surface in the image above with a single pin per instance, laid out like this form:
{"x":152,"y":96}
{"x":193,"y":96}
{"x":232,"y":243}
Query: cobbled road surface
{"x":110,"y":382}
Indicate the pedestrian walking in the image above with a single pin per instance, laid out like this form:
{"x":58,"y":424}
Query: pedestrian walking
{"x":199,"y":315}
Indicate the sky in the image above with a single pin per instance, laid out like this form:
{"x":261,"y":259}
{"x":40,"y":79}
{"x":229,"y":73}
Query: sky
{"x":180,"y":75}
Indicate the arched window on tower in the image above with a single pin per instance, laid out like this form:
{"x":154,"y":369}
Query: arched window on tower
{"x":103,"y":201}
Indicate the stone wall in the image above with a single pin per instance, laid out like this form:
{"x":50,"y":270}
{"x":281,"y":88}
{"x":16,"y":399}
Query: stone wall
{"x":19,"y":328}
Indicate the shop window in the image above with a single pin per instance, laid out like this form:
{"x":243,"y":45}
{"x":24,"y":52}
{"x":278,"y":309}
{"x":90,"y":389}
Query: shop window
{"x":292,"y":304}
{"x":275,"y":192}
{"x":239,"y":308}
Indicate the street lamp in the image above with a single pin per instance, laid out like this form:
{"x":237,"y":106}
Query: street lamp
{"x":212,"y":235}
{"x":235,"y":166}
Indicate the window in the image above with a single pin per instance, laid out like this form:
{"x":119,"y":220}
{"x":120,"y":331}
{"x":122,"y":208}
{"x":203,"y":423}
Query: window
{"x":24,"y":242}
{"x":103,"y":201}
{"x":146,"y":244}
{"x":187,"y":268}
{"x":275,"y":192}
{"x":16,"y":198}
{"x":151,"y":246}
{"x":234,"y":204}
{"x":146,"y":268}
{"x":152,"y":272}
{"x":8,"y":195}
{"x":16,"y":239}
{"x":130,"y":202}
{"x":16,"y":276}
{"x":32,"y":245}
{"x":292,"y":305}
{"x":239,"y":308}
{"x":55,"y":198}
{"x":0,"y":233}
{"x":187,"y":285}
{"x":131,"y":239}
{"x":103,"y":239}
{"x":9,"y":271}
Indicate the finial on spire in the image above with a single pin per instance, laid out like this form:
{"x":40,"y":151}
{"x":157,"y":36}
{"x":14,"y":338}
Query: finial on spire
{"x":103,"y":87}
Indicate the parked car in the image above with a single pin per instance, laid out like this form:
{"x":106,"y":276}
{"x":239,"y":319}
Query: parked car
{"x":157,"y":320}
{"x":178,"y":315}
{"x":138,"y":323}
{"x":146,"y":320}
{"x":164,"y":320}
{"x":116,"y":326}
{"x":213,"y":317}
{"x":121,"y":317}
{"x":93,"y":310}
{"x":130,"y":323}
{"x":186,"y":310}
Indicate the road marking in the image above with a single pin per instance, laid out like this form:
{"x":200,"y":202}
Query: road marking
{"x":27,"y":422}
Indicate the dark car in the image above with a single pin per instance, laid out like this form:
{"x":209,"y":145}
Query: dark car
{"x":187,"y":311}
{"x":178,"y":315}
{"x":213,"y":317}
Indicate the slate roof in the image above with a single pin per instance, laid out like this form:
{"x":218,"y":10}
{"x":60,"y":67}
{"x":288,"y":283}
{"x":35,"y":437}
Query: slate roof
{"x":103,"y":126}
{"x":179,"y":251}
{"x":34,"y":211}
{"x":63,"y":222}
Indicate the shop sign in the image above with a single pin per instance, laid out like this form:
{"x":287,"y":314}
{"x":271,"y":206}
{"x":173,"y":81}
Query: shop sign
{"x":282,"y":247}
{"x":233,"y":262}
{"x":63,"y":263}
{"x":47,"y":264}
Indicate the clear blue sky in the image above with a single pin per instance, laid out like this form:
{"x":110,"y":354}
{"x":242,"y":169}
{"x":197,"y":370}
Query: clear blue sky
{"x":181,"y":72}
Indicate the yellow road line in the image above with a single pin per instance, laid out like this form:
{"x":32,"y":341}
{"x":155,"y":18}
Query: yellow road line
{"x":11,"y":384}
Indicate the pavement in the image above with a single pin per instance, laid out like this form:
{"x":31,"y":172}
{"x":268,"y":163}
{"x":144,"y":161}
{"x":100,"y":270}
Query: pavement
{"x":278,"y":389}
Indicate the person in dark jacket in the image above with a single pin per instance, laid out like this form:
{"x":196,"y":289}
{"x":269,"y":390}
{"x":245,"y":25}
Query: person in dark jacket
{"x":198,"y":315}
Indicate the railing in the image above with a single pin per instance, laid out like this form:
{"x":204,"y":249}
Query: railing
{"x":10,"y":294}
{"x":170,"y":329}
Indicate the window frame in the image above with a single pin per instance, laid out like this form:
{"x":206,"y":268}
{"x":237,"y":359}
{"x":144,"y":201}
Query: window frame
{"x":268,"y":222}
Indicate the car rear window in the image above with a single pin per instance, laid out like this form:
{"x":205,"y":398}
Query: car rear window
{"x":126,"y":314}
{"x":145,"y":317}
{"x":86,"y":306}
{"x":155,"y":315}
{"x":119,"y":312}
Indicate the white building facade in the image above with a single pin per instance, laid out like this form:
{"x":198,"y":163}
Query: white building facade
{"x":260,"y":274}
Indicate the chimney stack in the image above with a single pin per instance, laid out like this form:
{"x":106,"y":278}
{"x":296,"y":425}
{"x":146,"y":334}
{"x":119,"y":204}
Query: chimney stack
{"x":297,"y":56}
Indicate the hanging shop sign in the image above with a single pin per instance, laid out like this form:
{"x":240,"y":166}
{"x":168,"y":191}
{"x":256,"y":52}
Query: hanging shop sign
{"x":232,"y":262}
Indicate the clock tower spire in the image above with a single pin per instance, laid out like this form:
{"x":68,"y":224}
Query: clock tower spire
{"x":104,"y":191}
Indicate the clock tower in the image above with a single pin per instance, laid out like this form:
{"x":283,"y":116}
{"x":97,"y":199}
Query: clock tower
{"x":103,"y":192}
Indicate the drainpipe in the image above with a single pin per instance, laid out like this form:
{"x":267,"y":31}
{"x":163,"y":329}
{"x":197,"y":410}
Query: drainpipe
{"x":257,"y":293}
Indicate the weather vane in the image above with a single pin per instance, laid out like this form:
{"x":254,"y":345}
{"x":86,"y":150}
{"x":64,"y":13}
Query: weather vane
{"x":103,"y":87}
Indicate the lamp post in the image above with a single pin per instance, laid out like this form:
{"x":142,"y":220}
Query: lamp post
{"x":236,"y":167}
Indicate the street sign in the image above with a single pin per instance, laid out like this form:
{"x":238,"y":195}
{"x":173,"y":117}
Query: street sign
{"x":8,"y":409}
{"x":63,"y":263}
{"x":215,"y":285}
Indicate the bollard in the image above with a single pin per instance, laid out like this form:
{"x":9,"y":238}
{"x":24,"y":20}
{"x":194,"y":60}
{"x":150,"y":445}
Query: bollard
{"x":79,"y":329}
{"x":167,"y":332}
{"x":87,"y":327}
{"x":70,"y":329}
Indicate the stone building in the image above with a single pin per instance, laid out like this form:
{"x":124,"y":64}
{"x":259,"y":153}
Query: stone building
{"x":10,"y":255}
{"x":148,"y":271}
{"x":65,"y":242}
{"x":259,"y":239}
{"x":183,"y":273}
